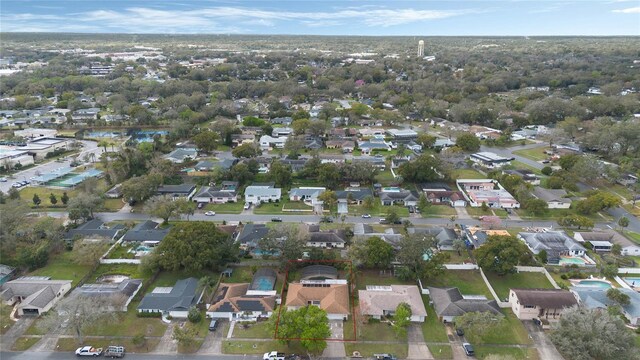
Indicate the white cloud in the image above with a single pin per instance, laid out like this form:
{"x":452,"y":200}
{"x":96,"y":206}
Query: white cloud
{"x":633,"y":10}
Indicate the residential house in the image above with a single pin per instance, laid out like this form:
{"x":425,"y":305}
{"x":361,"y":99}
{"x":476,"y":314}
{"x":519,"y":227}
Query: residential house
{"x":6,"y":273}
{"x":488,"y":191}
{"x":181,"y":155}
{"x":172,"y":301}
{"x":94,"y":230}
{"x":335,"y":238}
{"x":596,"y":298}
{"x":377,"y":162}
{"x":241,"y":139}
{"x":185,"y":191}
{"x":208,"y":165}
{"x":402,"y":133}
{"x":261,"y":193}
{"x":251,"y":130}
{"x":330,"y":295}
{"x":354,"y":195}
{"x":82,"y":115}
{"x":526,"y":175}
{"x":444,"y":236}
{"x":313,"y":143}
{"x":251,"y":235}
{"x":490,"y":160}
{"x":548,"y":304}
{"x":367,"y":147}
{"x":604,"y":240}
{"x":267,"y":142}
{"x":441,"y":194}
{"x":115,"y":192}
{"x":117,"y":295}
{"x":399,"y":197}
{"x":306,"y":194}
{"x":443,"y":143}
{"x":332,"y":159}
{"x":449,"y":303}
{"x":555,"y":243}
{"x":346,"y":145}
{"x":281,"y":132}
{"x":627,"y":180}
{"x":389,"y":235}
{"x":147,"y":233}
{"x":284,"y":121}
{"x":555,"y":198}
{"x":34,"y":295}
{"x":215,"y":195}
{"x":244,"y":301}
{"x":382,"y":301}
{"x":475,"y":236}
{"x":295,"y":164}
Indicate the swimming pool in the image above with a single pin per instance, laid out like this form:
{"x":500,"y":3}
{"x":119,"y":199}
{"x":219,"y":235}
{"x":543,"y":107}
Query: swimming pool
{"x":632,"y":281}
{"x":391,"y":189}
{"x":572,"y":260}
{"x":594,"y":283}
{"x":263,"y":283}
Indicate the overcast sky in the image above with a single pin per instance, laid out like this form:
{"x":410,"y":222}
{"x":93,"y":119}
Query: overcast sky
{"x":325,"y":17}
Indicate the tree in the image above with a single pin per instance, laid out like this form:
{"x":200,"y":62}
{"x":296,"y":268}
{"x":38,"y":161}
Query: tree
{"x":536,"y":206}
{"x":163,"y":207}
{"x":459,"y":246}
{"x":468,"y":142}
{"x":623,"y":222}
{"x":185,"y":336}
{"x":484,"y":207}
{"x":368,"y":202}
{"x":618,"y":296}
{"x":89,"y":252}
{"x":185,"y":207}
{"x":426,"y":140}
{"x":36,"y":200}
{"x":392,"y":216}
{"x":478,"y":323}
{"x":194,"y":315}
{"x":576,"y":221}
{"x":414,"y":251}
{"x":53,"y":199}
{"x":309,"y":323}
{"x":287,"y":240}
{"x":402,"y":319}
{"x":64,"y":198}
{"x":609,"y":270}
{"x":500,"y":254}
{"x":372,"y":253}
{"x":329,"y":175}
{"x":426,"y":168}
{"x":542,"y":257}
{"x":140,"y":188}
{"x":547,"y":170}
{"x":103,"y":144}
{"x":329,"y":199}
{"x":83,"y":206}
{"x":593,"y":334}
{"x":195,"y":246}
{"x":280,"y":174}
{"x":616,"y":249}
{"x":252,"y":121}
{"x":14,"y":194}
{"x":246,"y":151}
{"x":80,"y":313}
{"x":206,"y":141}
{"x":423,"y":203}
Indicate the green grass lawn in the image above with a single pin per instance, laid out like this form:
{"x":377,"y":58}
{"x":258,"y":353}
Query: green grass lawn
{"x":121,"y":251}
{"x":24,"y":343}
{"x":297,"y":205}
{"x":509,"y":331}
{"x":443,"y":352}
{"x":454,"y":258}
{"x":226,"y":208}
{"x":70,"y":344}
{"x":5,"y":321}
{"x":378,"y":210}
{"x":433,"y":329}
{"x":536,"y":154}
{"x":112,"y":205}
{"x":635,"y":210}
{"x":634,"y":236}
{"x":477,"y":211}
{"x":253,"y":330}
{"x":367,"y":350}
{"x":376,"y":331}
{"x":438,"y":211}
{"x":372,"y":277}
{"x":468,"y":281}
{"x":260,"y":347}
{"x":27,"y":192}
{"x":510,"y":353}
{"x":467,"y":174}
{"x":62,"y":267}
{"x":239,"y":275}
{"x":270,"y":208}
{"x":520,"y":165}
{"x":527,"y":280}
{"x":385,"y":178}
{"x":131,"y":270}
{"x":128,"y":324}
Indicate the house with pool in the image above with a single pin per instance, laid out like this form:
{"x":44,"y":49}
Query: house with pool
{"x":246,"y":301}
{"x":591,"y":297}
{"x":561,"y":248}
{"x":548,"y":304}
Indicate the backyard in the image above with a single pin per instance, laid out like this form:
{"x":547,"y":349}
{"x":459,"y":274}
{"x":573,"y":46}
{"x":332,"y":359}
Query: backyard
{"x":468,"y":281}
{"x":372,"y":277}
{"x":62,"y":267}
{"x":526,"y":280}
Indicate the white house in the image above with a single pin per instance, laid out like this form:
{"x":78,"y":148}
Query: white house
{"x":379,"y":301}
{"x":34,"y":295}
{"x":261,"y":193}
{"x":267,"y":142}
{"x":555,"y":199}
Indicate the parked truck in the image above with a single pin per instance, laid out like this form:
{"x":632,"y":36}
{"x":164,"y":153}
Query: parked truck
{"x":114,"y":351}
{"x":88,"y":351}
{"x":274,"y":355}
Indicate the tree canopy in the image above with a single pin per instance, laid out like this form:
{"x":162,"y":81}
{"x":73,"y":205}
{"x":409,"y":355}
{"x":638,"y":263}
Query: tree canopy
{"x":309,"y":323}
{"x":501,"y":254}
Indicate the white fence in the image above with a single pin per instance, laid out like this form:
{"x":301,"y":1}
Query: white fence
{"x":622,"y":283}
{"x":629,"y":271}
{"x":461,"y":266}
{"x":119,"y":261}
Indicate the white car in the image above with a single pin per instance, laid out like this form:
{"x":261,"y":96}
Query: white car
{"x":366,"y":216}
{"x":210,"y":213}
{"x":16,"y":185}
{"x":88,"y":351}
{"x":3,"y":179}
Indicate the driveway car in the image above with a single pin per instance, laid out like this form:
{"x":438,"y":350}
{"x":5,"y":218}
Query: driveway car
{"x":468,"y":349}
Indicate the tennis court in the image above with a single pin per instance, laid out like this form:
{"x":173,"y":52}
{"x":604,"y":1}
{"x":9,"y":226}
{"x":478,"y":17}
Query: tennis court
{"x":73,"y":179}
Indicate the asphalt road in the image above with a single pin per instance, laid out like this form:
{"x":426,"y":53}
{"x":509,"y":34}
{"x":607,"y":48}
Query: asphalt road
{"x":89,"y":147}
{"x":69,"y":355}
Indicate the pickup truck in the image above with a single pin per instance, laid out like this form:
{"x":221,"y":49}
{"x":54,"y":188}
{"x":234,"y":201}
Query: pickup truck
{"x":274,"y":355}
{"x":114,"y":351}
{"x":88,"y":351}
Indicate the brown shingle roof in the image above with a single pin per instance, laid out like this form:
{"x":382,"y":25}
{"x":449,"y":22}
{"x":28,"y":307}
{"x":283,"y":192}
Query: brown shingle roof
{"x":545,"y":298}
{"x":333,"y":299}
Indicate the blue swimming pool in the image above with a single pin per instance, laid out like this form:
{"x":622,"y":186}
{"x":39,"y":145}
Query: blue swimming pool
{"x":632,"y":281}
{"x":595,"y":283}
{"x":263,"y":283}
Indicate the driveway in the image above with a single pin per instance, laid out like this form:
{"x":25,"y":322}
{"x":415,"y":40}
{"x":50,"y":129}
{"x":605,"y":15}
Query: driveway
{"x":167,"y":345}
{"x":456,"y":344}
{"x":417,"y":347}
{"x":335,"y":348}
{"x":212,"y":344}
{"x":462,"y":213}
{"x":17,"y":329}
{"x":545,"y":347}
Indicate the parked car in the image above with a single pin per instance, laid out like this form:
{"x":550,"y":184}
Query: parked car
{"x":276,"y":219}
{"x":201,"y":205}
{"x":383,"y":221}
{"x":114,"y":351}
{"x":384,"y":357}
{"x":3,"y":179}
{"x":247,"y":206}
{"x":459,"y":332}
{"x":273,"y":355}
{"x":326,"y":219}
{"x":213,"y":325}
{"x":16,"y":185}
{"x":412,"y":209}
{"x":88,"y":351}
{"x":468,"y":349}
{"x":545,"y":161}
{"x":210,"y":213}
{"x":366,"y":216}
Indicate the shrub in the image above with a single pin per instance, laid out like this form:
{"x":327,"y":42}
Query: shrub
{"x":547,"y":170}
{"x":194,"y":315}
{"x":138,"y":340}
{"x":149,"y":314}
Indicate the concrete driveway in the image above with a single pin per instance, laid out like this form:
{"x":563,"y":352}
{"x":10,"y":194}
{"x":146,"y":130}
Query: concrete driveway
{"x":17,"y":329}
{"x":335,"y":348}
{"x":545,"y":347}
{"x":456,"y":344}
{"x":417,"y":347}
{"x":167,"y":345}
{"x":212,"y":344}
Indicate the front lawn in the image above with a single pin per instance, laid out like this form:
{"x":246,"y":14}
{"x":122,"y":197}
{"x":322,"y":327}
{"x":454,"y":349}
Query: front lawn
{"x":112,"y":205}
{"x":515,"y":353}
{"x":509,"y":331}
{"x":438,"y":211}
{"x":70,"y":344}
{"x":62,"y":267}
{"x":5,"y":321}
{"x":253,"y":330}
{"x":128,"y":324}
{"x":376,"y":331}
{"x":378,"y":210}
{"x":367,"y":350}
{"x":535,"y":154}
{"x":468,"y":281}
{"x":443,"y":352}
{"x":27,"y":192}
{"x":526,"y":280}
{"x":274,"y":208}
{"x":467,"y":174}
{"x":226,"y":208}
{"x":433,"y":329}
{"x":24,"y":343}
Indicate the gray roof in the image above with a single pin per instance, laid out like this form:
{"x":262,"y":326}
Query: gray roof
{"x":592,"y":298}
{"x":127,"y":287}
{"x":36,"y":292}
{"x":181,"y":297}
{"x":444,"y":236}
{"x":553,"y":242}
{"x":358,"y":194}
{"x":182,"y":153}
{"x":550,"y":195}
{"x":93,"y":227}
{"x":211,"y":192}
{"x":146,"y":231}
{"x":449,"y":302}
{"x":404,"y":195}
{"x":251,"y":233}
{"x":332,"y":236}
{"x":545,"y":298}
{"x":176,"y":189}
{"x":308,"y":192}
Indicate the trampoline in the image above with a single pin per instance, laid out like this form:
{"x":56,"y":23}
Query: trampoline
{"x":263,"y":280}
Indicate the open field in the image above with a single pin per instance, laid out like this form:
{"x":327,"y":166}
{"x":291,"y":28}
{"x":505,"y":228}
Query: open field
{"x":527,"y":280}
{"x":27,"y":192}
